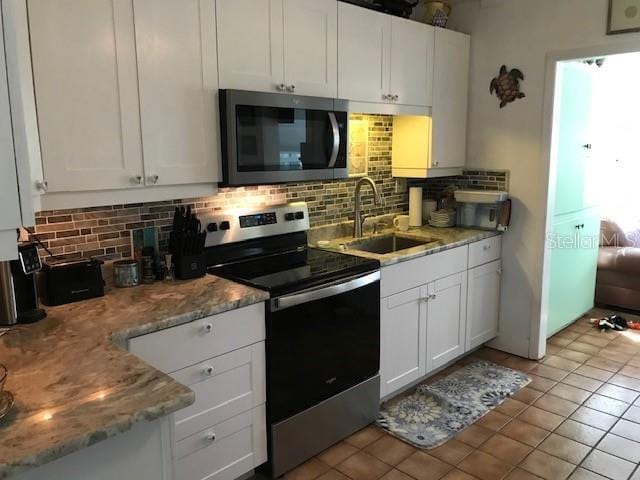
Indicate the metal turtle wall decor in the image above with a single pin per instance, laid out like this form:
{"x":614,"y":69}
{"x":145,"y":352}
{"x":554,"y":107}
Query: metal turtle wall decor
{"x":507,"y":85}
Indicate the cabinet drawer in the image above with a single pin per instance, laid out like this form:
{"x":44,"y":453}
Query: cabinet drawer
{"x":485,"y":251}
{"x":234,"y":383}
{"x":175,"y":348}
{"x":224,"y":451}
{"x":413,"y":273}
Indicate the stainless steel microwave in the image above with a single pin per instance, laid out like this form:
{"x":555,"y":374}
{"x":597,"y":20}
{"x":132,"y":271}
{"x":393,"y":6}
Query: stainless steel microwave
{"x":278,"y":138}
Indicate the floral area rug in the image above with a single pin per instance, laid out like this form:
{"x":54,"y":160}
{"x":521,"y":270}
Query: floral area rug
{"x":432,"y":414}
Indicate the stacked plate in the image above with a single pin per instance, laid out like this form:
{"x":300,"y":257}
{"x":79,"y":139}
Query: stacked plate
{"x":443,"y":218}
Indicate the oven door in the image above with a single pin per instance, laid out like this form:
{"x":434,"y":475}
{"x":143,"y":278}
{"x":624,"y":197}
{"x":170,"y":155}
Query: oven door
{"x":276,"y":138}
{"x":320,"y":342}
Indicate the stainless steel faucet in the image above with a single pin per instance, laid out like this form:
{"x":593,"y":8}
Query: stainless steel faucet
{"x":358,"y":219}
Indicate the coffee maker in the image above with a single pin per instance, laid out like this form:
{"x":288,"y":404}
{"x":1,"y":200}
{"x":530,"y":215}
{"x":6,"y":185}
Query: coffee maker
{"x":18,"y":292}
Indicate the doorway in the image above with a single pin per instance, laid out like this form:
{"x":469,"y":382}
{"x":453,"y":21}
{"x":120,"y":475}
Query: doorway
{"x":594,"y":174}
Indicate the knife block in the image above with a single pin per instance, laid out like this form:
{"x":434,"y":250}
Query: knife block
{"x":190,"y":266}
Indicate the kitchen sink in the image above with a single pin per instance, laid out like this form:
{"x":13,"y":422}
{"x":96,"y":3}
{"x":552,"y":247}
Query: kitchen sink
{"x":387,"y":244}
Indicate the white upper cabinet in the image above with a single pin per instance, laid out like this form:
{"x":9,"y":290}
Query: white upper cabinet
{"x":382,"y":58}
{"x":250,"y":44}
{"x":10,"y":216}
{"x":84,"y":67}
{"x":450,"y":96}
{"x":364,"y":37}
{"x":311,"y":47}
{"x":411,"y":62}
{"x":178,"y":78}
{"x":278,"y":45}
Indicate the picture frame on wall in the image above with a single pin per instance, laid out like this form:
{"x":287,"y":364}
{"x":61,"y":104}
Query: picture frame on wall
{"x":623,"y":17}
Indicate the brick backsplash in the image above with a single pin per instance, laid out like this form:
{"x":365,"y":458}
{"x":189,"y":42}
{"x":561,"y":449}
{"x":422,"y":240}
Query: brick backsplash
{"x":105,"y":232}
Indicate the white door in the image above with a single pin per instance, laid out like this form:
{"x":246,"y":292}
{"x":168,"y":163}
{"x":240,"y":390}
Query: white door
{"x":411,"y":62}
{"x":364,"y":39}
{"x":483,"y":304}
{"x":178,"y":78}
{"x":572,"y":136}
{"x":450,"y":97}
{"x":84,"y":68}
{"x":10,"y":214}
{"x":403,"y":324}
{"x":311,"y":47}
{"x":447,"y":305}
{"x":250,"y":44}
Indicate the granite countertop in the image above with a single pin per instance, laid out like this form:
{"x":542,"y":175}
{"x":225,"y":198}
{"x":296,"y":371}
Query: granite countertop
{"x":74,"y":383}
{"x":340,"y":239}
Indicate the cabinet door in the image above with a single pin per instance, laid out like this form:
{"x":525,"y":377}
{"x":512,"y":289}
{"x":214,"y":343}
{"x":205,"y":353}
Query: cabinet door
{"x":574,"y":262}
{"x":403,"y":325}
{"x":411,"y":62}
{"x":177,"y":73}
{"x":450,"y":96}
{"x":576,"y":171}
{"x":311,"y":47}
{"x":250,"y":41}
{"x":10,"y":216}
{"x":364,"y":37}
{"x":483,"y":304}
{"x":446,"y":319}
{"x":84,"y":68}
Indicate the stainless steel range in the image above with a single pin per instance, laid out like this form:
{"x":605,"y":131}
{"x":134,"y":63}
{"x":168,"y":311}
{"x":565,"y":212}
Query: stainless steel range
{"x":323,"y":328}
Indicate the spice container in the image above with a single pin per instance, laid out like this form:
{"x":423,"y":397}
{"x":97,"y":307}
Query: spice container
{"x":126,"y":273}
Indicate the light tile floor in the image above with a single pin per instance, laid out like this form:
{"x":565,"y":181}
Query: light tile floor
{"x":579,"y":418}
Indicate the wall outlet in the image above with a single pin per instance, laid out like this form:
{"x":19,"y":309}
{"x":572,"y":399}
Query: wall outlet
{"x":401,"y":185}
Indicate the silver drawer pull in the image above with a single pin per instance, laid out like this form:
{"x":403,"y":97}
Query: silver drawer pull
{"x":208,"y":328}
{"x":210,"y":437}
{"x":208,"y":371}
{"x":432,"y":296}
{"x":486,"y":247}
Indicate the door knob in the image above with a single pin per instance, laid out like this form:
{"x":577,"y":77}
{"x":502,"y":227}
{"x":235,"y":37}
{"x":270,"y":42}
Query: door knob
{"x":587,"y":146}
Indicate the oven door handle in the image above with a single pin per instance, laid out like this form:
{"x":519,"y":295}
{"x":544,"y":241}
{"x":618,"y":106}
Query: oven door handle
{"x":306,"y":296}
{"x":335,"y":129}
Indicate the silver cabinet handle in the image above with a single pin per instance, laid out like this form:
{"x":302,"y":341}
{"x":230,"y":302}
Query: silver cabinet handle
{"x":208,"y":328}
{"x":137,"y":180}
{"x":432,"y":296}
{"x":208,"y":370}
{"x":395,"y":97}
{"x":436,"y":163}
{"x":154,"y":179}
{"x":386,"y":97}
{"x":210,"y":437}
{"x":486,"y":247}
{"x":335,"y":131}
{"x":280,"y":87}
{"x":43,"y":186}
{"x":291,"y":88}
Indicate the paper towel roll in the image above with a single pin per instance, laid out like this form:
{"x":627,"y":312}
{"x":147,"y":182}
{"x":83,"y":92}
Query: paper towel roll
{"x":415,"y":206}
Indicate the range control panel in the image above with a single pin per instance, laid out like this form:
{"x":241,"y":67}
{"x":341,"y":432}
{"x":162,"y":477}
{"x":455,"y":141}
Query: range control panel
{"x":240,"y":225}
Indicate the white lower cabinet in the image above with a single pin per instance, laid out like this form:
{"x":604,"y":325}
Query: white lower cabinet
{"x":222,"y":435}
{"x":483,"y":303}
{"x":446,"y":313}
{"x":403,"y":324}
{"x":436,"y":308}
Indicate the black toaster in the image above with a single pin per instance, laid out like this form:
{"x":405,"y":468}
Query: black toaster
{"x":67,"y":281}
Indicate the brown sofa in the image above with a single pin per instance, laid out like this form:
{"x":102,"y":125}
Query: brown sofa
{"x":618,"y":278}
